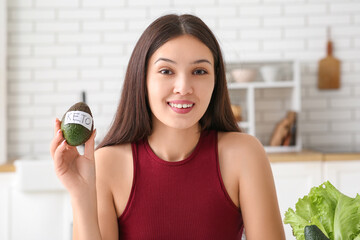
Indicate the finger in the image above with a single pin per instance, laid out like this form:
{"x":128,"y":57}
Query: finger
{"x":64,"y":148}
{"x":57,"y":126}
{"x":90,"y":145}
{"x":58,"y":138}
{"x":58,"y":153}
{"x":64,"y":153}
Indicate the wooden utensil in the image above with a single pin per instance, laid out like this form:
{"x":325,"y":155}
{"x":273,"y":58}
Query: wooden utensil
{"x":329,"y":69}
{"x":236,"y":109}
{"x":284,"y":131}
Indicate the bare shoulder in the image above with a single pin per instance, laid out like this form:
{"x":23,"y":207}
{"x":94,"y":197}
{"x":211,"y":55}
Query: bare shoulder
{"x":241,"y":147}
{"x":113,"y":162}
{"x":245,"y":156}
{"x":110,"y":153}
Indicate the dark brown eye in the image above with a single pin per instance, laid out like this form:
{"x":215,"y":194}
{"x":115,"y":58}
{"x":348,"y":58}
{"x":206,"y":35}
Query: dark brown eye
{"x":200,"y":72}
{"x":166,"y":71}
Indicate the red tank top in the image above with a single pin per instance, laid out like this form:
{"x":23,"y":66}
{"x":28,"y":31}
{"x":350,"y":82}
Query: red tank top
{"x":179,"y":200}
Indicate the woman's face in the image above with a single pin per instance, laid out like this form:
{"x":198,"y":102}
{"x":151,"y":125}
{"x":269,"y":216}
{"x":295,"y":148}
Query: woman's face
{"x":180,"y":82}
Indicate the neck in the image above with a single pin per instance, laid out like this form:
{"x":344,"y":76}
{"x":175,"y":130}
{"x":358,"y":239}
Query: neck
{"x":174,"y":144}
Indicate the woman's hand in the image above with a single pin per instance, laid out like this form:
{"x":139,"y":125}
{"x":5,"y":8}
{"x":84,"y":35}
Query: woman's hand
{"x":75,"y":171}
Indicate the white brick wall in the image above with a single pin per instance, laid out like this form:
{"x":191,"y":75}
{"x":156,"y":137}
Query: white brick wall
{"x":57,"y":49}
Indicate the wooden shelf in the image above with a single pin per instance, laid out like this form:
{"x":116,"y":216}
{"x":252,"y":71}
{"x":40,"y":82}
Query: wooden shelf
{"x":280,"y":84}
{"x":280,"y":149}
{"x":289,"y":79}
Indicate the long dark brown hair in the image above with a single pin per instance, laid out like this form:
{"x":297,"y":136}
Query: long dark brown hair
{"x":133,"y":121}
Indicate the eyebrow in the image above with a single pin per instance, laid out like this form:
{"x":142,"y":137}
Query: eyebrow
{"x":202,"y":61}
{"x":195,"y":62}
{"x":166,"y":60}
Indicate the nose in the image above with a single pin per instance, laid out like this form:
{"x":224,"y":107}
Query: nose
{"x":183,"y":85}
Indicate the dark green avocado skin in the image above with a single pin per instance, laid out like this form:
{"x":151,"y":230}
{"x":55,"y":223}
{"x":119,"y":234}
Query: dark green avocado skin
{"x":76,"y":134}
{"x":312,"y":232}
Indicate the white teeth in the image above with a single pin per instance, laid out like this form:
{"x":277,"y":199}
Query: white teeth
{"x":180,"y":105}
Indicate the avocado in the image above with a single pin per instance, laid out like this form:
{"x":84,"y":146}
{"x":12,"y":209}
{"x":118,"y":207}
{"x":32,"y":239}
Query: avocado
{"x":77,"y":124}
{"x":312,"y":232}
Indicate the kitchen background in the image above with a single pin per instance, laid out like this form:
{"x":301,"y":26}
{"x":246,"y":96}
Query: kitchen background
{"x":57,"y":49}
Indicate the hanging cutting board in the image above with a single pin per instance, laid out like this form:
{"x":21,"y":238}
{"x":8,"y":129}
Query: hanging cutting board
{"x":329,"y":69}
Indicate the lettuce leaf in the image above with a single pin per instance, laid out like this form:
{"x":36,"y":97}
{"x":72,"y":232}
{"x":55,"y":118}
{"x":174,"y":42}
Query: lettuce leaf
{"x":336,"y":215}
{"x":297,"y":223}
{"x":347,"y":218}
{"x":317,"y":208}
{"x":357,"y":237}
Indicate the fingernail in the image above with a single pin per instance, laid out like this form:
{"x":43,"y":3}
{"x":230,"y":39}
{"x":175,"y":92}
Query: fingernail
{"x":95,"y":132}
{"x":63,"y":142}
{"x":58,"y":132}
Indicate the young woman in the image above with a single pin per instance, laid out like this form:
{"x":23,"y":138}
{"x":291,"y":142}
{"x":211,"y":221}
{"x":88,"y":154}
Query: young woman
{"x":174,"y":164}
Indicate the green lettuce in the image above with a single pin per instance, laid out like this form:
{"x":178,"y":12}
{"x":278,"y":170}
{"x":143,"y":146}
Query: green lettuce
{"x":347,"y":218}
{"x":335,"y":214}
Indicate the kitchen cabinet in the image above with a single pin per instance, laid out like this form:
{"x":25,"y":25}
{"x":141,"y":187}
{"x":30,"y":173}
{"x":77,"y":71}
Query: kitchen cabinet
{"x":293,"y":180}
{"x":6,"y":182}
{"x":39,"y":215}
{"x":345,"y":175}
{"x":33,"y":206}
{"x":247,"y":94}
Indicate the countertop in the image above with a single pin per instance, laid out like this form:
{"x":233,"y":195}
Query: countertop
{"x":9,"y":167}
{"x":305,"y":155}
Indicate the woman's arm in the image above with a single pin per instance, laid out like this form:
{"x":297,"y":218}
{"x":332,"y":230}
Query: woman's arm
{"x":85,"y":218}
{"x":108,"y":220}
{"x":88,"y":198}
{"x":257,"y":194}
{"x":90,"y":217}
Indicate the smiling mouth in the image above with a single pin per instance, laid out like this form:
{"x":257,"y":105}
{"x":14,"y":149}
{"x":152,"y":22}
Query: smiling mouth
{"x":180,"y":106}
